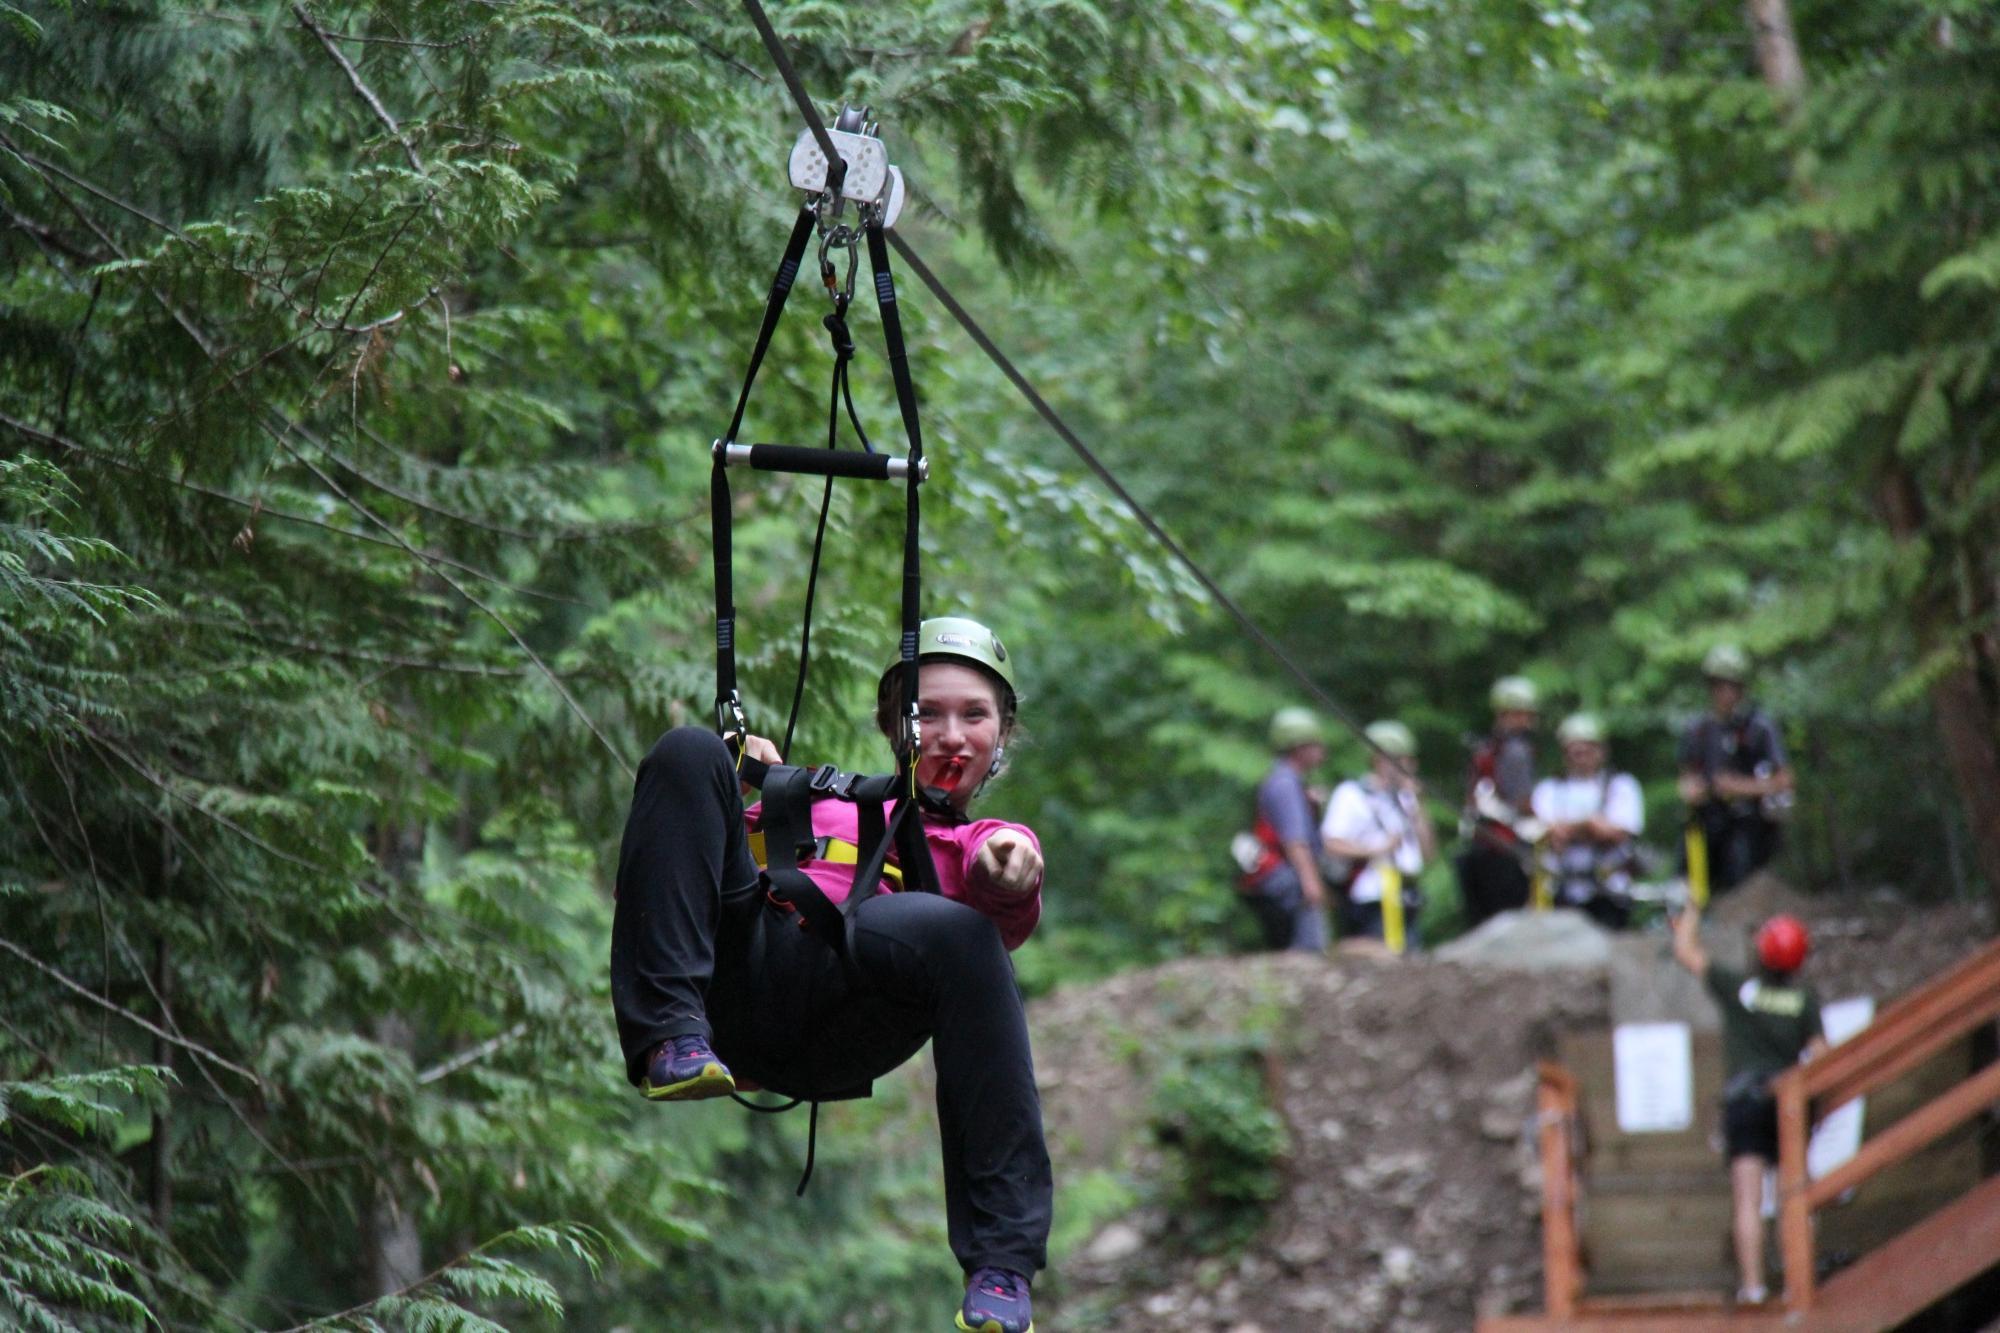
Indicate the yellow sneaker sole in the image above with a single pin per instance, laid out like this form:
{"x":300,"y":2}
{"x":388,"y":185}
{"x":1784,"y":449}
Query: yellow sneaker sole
{"x":712,"y":1081}
{"x":985,"y":1325}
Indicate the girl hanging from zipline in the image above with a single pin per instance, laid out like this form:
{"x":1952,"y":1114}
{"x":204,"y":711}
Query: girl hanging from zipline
{"x":712,"y":972}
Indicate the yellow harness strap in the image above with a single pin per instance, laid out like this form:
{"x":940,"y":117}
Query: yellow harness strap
{"x":833,"y":851}
{"x":1697,"y":856}
{"x":1393,"y":930}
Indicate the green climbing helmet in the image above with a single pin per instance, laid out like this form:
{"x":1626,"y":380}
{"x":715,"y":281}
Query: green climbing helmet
{"x":962,"y":639}
{"x":1584,"y":727}
{"x":1514,"y":694}
{"x":1293,"y":727}
{"x":1392,"y":738}
{"x":1727,"y":662}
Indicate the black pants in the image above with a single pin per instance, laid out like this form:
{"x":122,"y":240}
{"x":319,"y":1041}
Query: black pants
{"x":1738,"y":846}
{"x":1490,"y":881}
{"x":697,"y":948}
{"x":1750,"y":1125}
{"x":1364,"y":921}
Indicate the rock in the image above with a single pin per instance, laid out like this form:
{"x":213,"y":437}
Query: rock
{"x":1533,"y":942}
{"x":1399,"y":1265}
{"x":1117,"y":1242}
{"x":1304,"y":1252}
{"x":1647,"y":986}
{"x":1505,"y":1109}
{"x":1756,"y":899}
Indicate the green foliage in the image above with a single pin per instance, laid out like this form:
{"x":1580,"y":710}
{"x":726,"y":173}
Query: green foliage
{"x":66,"y":1254}
{"x":47,"y":685}
{"x":1212,"y":1112}
{"x":78,"y":1101}
{"x":62,"y":1266}
{"x":360,"y":363}
{"x":484,"y":1276}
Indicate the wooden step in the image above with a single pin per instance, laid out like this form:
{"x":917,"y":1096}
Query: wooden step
{"x":1881,"y":1290}
{"x":1595,"y":1317}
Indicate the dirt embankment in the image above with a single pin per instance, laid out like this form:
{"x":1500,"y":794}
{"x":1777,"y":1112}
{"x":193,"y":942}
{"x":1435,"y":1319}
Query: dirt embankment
{"x":1405,"y":1189}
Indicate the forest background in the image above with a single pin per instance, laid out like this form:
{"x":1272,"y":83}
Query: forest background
{"x":359,"y":366}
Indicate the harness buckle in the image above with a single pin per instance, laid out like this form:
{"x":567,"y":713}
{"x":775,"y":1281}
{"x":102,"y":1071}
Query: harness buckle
{"x":822,"y":779}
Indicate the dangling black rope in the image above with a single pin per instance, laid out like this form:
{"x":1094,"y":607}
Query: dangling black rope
{"x":840,"y":392}
{"x":812,"y":1130}
{"x":812,"y":1147}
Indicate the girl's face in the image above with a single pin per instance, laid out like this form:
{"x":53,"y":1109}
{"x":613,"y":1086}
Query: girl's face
{"x":959,"y":710}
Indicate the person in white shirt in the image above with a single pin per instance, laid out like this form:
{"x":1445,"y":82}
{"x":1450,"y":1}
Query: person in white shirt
{"x":1374,"y":823}
{"x":1594,"y":817}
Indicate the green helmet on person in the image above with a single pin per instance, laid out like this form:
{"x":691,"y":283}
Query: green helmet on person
{"x":1514,"y":694}
{"x":1726,"y":662}
{"x":1586,"y":728}
{"x":957,"y":639}
{"x":1294,"y":726}
{"x":1392,"y":738}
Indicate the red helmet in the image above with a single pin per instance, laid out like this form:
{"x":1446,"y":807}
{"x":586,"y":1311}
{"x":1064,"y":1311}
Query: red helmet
{"x":1782,"y":944}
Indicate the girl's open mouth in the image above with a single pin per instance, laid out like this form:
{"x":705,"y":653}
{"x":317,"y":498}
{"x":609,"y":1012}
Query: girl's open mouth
{"x":952,"y":773}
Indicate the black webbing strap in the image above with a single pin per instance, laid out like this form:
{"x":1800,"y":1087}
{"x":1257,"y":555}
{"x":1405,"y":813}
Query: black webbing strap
{"x":728,"y":704}
{"x":789,"y":794}
{"x":781,"y":287}
{"x":787,"y":826}
{"x":906,"y":401}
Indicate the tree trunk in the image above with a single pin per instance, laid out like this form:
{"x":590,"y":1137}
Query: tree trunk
{"x":393,"y":1246}
{"x":1777,"y":47}
{"x":1965,"y":715}
{"x":1968,"y":728}
{"x":395,"y":1249}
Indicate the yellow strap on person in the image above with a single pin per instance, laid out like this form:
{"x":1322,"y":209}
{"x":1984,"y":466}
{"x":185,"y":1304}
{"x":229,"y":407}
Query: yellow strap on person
{"x":1392,"y":905}
{"x":834,"y":851}
{"x":1697,"y":855}
{"x":1540,"y":895}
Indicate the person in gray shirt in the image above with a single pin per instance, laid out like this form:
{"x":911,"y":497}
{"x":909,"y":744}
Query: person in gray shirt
{"x":1282,"y":885}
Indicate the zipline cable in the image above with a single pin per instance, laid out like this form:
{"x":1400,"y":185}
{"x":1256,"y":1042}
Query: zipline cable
{"x":810,"y":114}
{"x":1069,"y":437}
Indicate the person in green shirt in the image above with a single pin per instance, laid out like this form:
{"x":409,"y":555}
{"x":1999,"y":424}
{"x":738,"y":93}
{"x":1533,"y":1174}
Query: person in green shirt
{"x":1770,"y":1021}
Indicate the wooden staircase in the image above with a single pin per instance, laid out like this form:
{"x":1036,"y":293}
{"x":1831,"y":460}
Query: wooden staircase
{"x":1880,"y":1289}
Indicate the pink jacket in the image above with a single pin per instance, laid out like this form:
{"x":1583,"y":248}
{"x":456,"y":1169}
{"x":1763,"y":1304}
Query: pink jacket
{"x":952,"y":847}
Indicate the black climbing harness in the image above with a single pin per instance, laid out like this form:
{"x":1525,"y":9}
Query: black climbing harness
{"x":789,"y":791}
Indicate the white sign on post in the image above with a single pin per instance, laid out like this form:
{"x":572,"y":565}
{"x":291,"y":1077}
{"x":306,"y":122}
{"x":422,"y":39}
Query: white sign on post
{"x":1838,"y":1137}
{"x":1653,"y":1066}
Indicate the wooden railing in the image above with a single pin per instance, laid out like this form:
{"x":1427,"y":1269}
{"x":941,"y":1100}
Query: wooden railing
{"x":1902,"y":1037}
{"x":1557,"y":1129}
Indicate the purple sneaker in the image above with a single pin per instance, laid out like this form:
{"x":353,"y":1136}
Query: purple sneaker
{"x":996,"y":1301}
{"x":684,"y":1069}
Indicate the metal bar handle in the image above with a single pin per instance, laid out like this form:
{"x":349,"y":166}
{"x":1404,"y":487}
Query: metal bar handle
{"x":819,"y":462}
